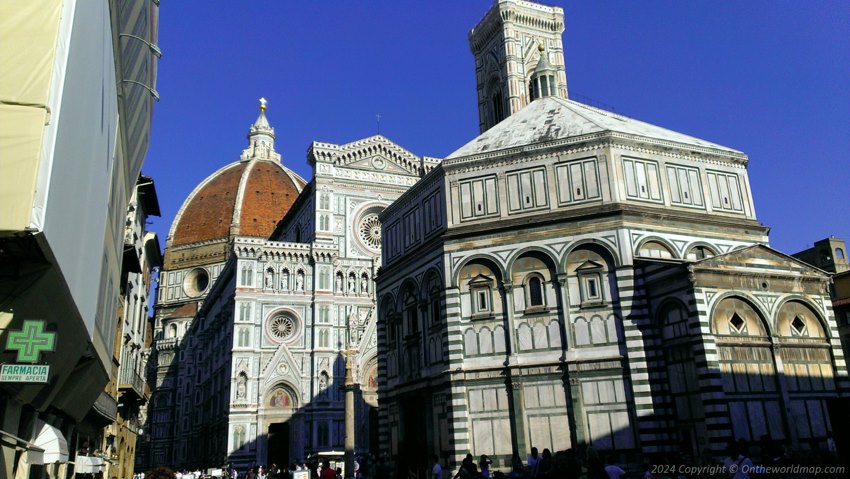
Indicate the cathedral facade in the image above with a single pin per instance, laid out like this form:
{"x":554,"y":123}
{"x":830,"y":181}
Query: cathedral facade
{"x":256,"y":317}
{"x":573,"y":278}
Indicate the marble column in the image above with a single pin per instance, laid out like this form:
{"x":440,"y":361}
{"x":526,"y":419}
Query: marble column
{"x":350,"y":388}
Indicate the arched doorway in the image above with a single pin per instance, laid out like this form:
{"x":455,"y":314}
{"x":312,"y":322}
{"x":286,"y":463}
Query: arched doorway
{"x":369,"y":413}
{"x":279,"y":405}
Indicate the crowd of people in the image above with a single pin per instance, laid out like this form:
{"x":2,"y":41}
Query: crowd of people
{"x":741,"y":460}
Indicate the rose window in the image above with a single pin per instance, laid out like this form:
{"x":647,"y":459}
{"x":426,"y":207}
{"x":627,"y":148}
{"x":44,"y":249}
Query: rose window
{"x":370,"y":231}
{"x":282,"y":327}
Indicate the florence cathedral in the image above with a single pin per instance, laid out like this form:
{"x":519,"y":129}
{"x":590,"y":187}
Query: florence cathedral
{"x":569,"y":278}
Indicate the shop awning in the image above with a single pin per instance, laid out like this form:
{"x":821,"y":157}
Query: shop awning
{"x":88,"y":464}
{"x":53,"y":442}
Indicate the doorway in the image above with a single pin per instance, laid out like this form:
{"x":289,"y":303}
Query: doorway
{"x":278,"y":445}
{"x":413,"y":450}
{"x":373,"y":431}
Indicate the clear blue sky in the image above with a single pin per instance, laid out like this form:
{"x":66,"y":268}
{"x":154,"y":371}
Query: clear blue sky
{"x":770,"y":78}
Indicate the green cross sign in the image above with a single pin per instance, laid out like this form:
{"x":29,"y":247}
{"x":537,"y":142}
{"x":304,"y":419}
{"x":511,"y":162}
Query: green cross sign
{"x":31,"y":341}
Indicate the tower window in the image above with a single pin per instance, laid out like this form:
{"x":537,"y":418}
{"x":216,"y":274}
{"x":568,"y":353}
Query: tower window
{"x":498,"y":110}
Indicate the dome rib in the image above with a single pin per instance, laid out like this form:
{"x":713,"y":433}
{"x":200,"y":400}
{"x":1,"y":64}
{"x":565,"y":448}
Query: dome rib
{"x":243,"y":198}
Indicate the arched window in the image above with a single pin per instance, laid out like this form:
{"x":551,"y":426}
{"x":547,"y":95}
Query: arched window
{"x":411,"y":318}
{"x":244,"y":337}
{"x":839,"y":253}
{"x":700,"y":252}
{"x":238,"y":437}
{"x":535,"y":292}
{"x":654,"y":249}
{"x":392,"y":331}
{"x":498,"y":109}
{"x":172,"y":331}
{"x":481,"y":295}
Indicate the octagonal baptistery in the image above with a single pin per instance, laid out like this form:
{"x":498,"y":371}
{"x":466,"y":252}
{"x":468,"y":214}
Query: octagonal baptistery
{"x":244,"y":198}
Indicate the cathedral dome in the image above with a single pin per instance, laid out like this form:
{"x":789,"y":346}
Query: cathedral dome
{"x":244,"y":198}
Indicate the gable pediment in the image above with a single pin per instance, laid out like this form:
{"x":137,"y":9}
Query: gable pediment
{"x":378,"y":163}
{"x":589,"y":266}
{"x":282,"y":365}
{"x":759,"y":259}
{"x":377,"y":153}
{"x":481,"y":280}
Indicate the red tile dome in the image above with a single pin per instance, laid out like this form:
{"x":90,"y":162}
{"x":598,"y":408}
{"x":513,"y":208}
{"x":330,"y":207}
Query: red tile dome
{"x":245,"y":198}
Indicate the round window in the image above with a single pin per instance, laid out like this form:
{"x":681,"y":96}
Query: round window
{"x":370,"y":231}
{"x":196,"y":282}
{"x":282,"y":327}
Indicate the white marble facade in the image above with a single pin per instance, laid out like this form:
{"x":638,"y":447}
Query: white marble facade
{"x":291,"y":305}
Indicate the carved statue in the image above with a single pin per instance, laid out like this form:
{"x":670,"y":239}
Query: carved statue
{"x":364,"y":285}
{"x":339,"y":283}
{"x":351,"y":285}
{"x":241,"y":386}
{"x":353,"y":330}
{"x":299,"y":281}
{"x":284,"y":281}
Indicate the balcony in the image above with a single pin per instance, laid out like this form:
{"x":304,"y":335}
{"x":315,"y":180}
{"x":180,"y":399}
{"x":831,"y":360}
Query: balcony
{"x":166,"y":343}
{"x":131,"y":386}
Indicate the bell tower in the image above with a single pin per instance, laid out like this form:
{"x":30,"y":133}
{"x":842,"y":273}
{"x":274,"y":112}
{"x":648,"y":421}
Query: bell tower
{"x":506,"y":46}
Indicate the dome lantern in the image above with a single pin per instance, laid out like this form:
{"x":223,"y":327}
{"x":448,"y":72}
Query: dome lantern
{"x":261,"y":138}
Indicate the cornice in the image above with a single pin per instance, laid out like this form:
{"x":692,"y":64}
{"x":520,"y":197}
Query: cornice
{"x":590,"y":142}
{"x":623,"y":212}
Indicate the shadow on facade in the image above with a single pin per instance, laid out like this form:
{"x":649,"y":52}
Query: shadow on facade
{"x":226,"y":418}
{"x":775,"y":420}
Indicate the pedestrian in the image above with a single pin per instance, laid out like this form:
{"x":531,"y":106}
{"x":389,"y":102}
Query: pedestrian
{"x":467,"y":470}
{"x":612,"y":469}
{"x":546,"y":466}
{"x":517,"y":468}
{"x":484,"y":466}
{"x":737,"y":462}
{"x":436,"y":468}
{"x":595,"y":466}
{"x":533,"y":463}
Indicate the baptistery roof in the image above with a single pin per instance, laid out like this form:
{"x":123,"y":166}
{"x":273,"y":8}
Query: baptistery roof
{"x":553,"y":118}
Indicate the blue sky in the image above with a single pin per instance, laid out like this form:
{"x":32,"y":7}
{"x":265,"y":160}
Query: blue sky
{"x":770,"y":78}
